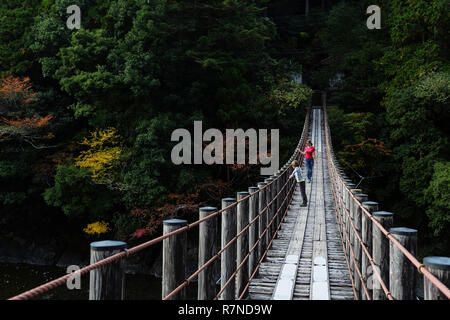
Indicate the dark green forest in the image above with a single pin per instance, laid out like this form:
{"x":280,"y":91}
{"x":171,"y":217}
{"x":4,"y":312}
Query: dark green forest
{"x":87,"y":115}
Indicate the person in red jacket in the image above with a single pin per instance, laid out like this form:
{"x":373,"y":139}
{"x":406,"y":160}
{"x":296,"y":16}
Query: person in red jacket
{"x":310,"y":155}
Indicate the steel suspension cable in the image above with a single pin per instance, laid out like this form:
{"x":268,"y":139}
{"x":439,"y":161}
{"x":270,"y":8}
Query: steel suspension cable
{"x":339,"y":196}
{"x":388,"y":294}
{"x":267,"y":249}
{"x":420,"y":267}
{"x":340,"y":223}
{"x":216,"y":256}
{"x":253,"y":248}
{"x":61,"y":280}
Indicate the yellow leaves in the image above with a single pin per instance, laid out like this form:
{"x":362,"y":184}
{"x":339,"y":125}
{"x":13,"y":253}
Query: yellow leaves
{"x":97,"y":228}
{"x":104,"y":150}
{"x":98,"y":160}
{"x":98,"y":138}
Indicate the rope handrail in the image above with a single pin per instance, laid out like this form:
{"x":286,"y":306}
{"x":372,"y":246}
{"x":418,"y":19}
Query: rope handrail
{"x":347,"y":238}
{"x":253,"y":248}
{"x":420,"y":267}
{"x":383,"y":285}
{"x":267,"y":249}
{"x":341,"y":210}
{"x":335,"y":190}
{"x":63,"y":279}
{"x":216,"y":256}
{"x":345,"y":253}
{"x":343,"y":231}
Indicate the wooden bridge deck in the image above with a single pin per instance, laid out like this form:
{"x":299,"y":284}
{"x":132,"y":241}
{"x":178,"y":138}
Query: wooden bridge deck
{"x":306,"y":260}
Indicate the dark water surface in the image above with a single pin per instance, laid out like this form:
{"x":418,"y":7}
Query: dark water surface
{"x":17,"y":278}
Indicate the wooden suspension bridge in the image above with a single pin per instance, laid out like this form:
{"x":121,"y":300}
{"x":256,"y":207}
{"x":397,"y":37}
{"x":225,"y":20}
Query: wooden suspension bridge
{"x":306,"y":260}
{"x":262,"y":245}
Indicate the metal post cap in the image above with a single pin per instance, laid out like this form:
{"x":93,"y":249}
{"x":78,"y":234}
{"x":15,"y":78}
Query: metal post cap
{"x":382,"y":213}
{"x":403,"y":231}
{"x":242,"y":194}
{"x":370,"y":203}
{"x":175,"y":221}
{"x":436,"y":262}
{"x":262,"y":184}
{"x":350,"y":184}
{"x":107,"y":245}
{"x":208,"y":209}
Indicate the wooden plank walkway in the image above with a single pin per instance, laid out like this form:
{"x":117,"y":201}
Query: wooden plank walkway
{"x":306,"y":260}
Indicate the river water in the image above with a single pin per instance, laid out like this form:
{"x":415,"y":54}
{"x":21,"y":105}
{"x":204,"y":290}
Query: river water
{"x":17,"y":278}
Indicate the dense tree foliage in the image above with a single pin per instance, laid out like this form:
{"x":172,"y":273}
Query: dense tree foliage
{"x":402,"y":107}
{"x":108,"y":96}
{"x":15,"y":25}
{"x":87,"y":115}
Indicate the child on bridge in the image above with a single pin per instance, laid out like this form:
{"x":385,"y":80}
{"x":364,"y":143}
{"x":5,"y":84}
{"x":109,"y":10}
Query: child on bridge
{"x":300,"y":180}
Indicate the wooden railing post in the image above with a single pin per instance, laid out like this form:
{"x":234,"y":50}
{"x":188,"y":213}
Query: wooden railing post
{"x":347,"y":205}
{"x":339,"y":193}
{"x":274,"y":204}
{"x":269,"y":209}
{"x":279,"y":198}
{"x":380,"y":252}
{"x":228,"y":257}
{"x":366,"y":235}
{"x":242,"y":243}
{"x":286,"y":188}
{"x":284,"y":179}
{"x":207,"y":248}
{"x":440,"y":268}
{"x":402,"y":280}
{"x":107,"y":282}
{"x":353,"y":208}
{"x":174,"y":259}
{"x":337,"y":189}
{"x":253,"y":230}
{"x":357,"y":249}
{"x":262,"y":222}
{"x":343,"y":196}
